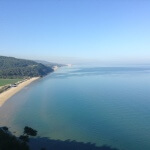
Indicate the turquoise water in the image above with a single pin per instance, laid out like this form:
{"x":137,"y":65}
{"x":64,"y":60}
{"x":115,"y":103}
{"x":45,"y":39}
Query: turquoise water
{"x":103,"y":105}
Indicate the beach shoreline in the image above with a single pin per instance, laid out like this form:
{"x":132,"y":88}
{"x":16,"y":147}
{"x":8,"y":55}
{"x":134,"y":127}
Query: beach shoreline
{"x":4,"y":96}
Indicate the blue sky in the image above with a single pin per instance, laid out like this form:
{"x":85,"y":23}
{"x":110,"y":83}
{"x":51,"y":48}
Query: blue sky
{"x":104,"y":31}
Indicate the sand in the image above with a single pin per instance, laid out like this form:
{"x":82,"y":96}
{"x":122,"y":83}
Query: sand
{"x":12,"y":91}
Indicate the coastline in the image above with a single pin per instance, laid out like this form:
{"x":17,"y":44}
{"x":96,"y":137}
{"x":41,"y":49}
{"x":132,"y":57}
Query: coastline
{"x":13,"y":90}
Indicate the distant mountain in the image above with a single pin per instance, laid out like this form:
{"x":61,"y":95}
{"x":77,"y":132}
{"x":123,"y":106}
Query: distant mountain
{"x":11,"y":67}
{"x":50,"y":64}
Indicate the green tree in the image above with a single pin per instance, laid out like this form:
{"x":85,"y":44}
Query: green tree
{"x":27,"y":132}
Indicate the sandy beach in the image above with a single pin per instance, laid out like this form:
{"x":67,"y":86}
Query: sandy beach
{"x":12,"y":91}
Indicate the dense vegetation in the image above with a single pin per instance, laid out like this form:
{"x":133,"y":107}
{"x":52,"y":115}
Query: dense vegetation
{"x":15,"y":68}
{"x":10,"y":142}
{"x":25,"y":142}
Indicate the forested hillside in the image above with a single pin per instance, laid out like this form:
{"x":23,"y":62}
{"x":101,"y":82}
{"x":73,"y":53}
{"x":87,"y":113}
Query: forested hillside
{"x":11,"y":68}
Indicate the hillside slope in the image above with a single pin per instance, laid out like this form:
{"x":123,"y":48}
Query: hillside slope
{"x":11,"y":67}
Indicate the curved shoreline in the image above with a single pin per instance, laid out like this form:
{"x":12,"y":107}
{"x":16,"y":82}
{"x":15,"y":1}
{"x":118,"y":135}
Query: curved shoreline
{"x":13,"y":90}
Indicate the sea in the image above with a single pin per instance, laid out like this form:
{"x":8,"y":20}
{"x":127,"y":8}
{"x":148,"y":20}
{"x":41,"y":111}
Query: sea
{"x":101,"y":105}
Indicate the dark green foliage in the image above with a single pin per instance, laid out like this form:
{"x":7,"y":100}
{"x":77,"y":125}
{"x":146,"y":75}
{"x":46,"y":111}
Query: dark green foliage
{"x":26,"y":133}
{"x":13,"y":68}
{"x":10,"y":142}
{"x":24,"y":138}
{"x":5,"y":128}
{"x":29,"y":131}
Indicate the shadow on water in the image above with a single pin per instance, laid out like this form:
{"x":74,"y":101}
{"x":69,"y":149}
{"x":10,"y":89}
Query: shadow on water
{"x":44,"y":143}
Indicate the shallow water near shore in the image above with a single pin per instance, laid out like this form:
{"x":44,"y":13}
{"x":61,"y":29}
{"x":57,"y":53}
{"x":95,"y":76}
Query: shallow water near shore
{"x":102,"y":105}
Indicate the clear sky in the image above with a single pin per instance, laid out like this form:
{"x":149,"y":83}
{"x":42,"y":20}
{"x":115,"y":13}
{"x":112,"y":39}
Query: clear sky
{"x":76,"y":30}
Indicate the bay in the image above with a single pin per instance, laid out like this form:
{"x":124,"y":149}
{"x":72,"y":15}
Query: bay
{"x":102,"y":105}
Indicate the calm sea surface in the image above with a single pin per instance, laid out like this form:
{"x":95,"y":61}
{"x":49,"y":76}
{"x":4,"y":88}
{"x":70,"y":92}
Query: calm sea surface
{"x":103,"y":105}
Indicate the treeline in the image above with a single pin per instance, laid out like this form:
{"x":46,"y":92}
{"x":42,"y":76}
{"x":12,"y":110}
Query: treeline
{"x":11,"y":142}
{"x":8,"y":141}
{"x":14,"y":68}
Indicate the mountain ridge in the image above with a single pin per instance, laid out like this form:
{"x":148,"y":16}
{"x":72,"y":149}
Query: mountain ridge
{"x":11,"y":67}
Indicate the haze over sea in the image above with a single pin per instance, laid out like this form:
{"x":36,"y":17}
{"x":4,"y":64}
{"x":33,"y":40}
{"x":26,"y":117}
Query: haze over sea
{"x":103,"y":105}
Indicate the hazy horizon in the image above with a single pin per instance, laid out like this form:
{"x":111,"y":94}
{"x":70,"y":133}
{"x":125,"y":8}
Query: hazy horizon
{"x":83,"y":61}
{"x":78,"y":32}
